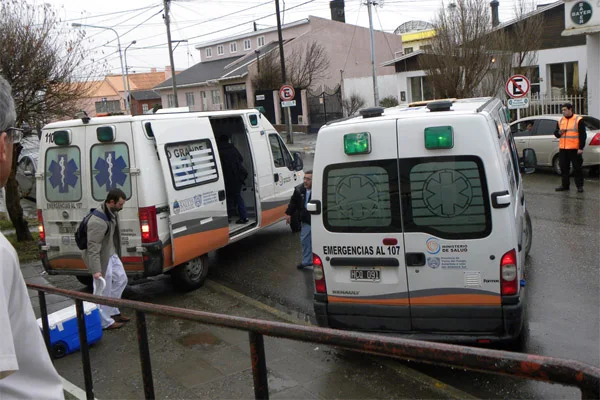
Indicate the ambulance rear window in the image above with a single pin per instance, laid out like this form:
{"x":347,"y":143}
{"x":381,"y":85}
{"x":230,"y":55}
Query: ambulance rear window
{"x":362,"y":197}
{"x":63,"y":174}
{"x":446,"y":197}
{"x":110,"y":169}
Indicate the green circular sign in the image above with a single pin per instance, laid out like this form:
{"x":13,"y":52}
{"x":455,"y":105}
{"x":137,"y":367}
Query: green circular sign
{"x":581,"y":12}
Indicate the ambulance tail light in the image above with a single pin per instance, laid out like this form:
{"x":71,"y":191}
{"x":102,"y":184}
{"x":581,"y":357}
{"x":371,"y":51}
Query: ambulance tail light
{"x":148,"y":224}
{"x":319,"y":275}
{"x":41,"y":226}
{"x":508,"y":273}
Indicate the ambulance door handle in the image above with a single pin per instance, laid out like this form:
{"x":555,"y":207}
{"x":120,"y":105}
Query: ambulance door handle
{"x":276,"y":178}
{"x":221,"y":195}
{"x":415,"y":259}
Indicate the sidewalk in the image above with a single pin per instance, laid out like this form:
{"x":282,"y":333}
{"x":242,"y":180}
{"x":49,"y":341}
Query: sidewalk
{"x":191,"y":360}
{"x":303,"y":142}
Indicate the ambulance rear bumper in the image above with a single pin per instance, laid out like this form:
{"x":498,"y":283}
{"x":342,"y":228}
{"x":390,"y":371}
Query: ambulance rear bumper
{"x":500,"y":326}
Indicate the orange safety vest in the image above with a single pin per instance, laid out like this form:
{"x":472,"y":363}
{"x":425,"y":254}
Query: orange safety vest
{"x":570,"y":139}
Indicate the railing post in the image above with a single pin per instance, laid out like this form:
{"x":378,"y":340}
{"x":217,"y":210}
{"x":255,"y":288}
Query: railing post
{"x":45,"y":324}
{"x":142,"y":334}
{"x":85,"y":353}
{"x":259,"y":365}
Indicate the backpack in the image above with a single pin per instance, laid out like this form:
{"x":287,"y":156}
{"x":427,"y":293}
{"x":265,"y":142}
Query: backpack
{"x":81,"y":233}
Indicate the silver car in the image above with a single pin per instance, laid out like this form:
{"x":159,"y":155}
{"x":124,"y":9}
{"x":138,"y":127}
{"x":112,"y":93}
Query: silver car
{"x":27,"y":166}
{"x":537,"y":132}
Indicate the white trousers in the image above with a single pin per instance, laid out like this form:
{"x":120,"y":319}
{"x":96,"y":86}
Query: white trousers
{"x":116,"y":281}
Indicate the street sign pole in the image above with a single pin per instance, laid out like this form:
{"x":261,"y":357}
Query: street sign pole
{"x":290,"y":138}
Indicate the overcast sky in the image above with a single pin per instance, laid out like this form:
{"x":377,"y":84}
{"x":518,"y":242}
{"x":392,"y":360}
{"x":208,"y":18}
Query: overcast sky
{"x":199,"y":21}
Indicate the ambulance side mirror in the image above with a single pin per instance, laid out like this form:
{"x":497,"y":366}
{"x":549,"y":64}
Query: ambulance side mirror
{"x":529,"y":161}
{"x":298,"y":163}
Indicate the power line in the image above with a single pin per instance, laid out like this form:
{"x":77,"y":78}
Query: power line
{"x":384,"y":35}
{"x":352,"y":39}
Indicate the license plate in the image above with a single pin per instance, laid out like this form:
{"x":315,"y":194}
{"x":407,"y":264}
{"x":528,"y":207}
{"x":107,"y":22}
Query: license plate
{"x":365,"y":275}
{"x":66,"y":229}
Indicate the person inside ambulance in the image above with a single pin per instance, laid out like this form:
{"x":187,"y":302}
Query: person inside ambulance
{"x":234,"y":175}
{"x":572,"y":134}
{"x":26,"y":371}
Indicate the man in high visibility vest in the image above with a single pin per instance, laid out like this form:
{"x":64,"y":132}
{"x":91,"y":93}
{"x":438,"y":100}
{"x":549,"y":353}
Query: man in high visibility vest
{"x":572,"y":135}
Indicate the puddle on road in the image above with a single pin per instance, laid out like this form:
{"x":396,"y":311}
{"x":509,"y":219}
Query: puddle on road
{"x":199,"y":338}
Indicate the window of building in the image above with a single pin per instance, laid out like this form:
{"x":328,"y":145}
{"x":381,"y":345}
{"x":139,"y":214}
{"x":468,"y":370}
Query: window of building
{"x":208,"y":52}
{"x":216,"y":96}
{"x":170,"y":101}
{"x":145,"y":108}
{"x":220,"y":50}
{"x":191,"y":163}
{"x":109,"y":163}
{"x":63,"y":176}
{"x":233,"y":47}
{"x":281,"y":156}
{"x":247,"y":44}
{"x":408,"y":50}
{"x":204,"y":101}
{"x":189,"y":98}
{"x":260,"y":41}
{"x":421,"y":88}
{"x":533,"y":74}
{"x":105,"y":106}
{"x":425,"y":47}
{"x":564,"y":78}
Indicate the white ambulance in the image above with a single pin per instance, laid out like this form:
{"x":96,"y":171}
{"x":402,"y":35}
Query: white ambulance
{"x":419,"y":224}
{"x":169,"y":167}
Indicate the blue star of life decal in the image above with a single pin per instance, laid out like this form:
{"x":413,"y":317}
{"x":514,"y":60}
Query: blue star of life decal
{"x":62,"y":173}
{"x":110,"y":171}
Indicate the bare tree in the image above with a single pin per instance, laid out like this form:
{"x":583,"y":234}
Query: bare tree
{"x":458,"y":60}
{"x":352,"y":104}
{"x":304,"y":66}
{"x":39,"y":62}
{"x":469,"y":57}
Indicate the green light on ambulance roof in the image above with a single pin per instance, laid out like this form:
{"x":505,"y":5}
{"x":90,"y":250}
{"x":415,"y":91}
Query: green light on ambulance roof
{"x":439,"y":137}
{"x":357,"y":143}
{"x":61,"y":138}
{"x":105,"y":134}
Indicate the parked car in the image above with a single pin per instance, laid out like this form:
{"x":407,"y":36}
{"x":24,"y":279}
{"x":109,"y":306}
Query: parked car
{"x":541,"y":138}
{"x":27,"y":166}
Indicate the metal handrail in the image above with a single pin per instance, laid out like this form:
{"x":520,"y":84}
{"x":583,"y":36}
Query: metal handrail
{"x":542,"y":368}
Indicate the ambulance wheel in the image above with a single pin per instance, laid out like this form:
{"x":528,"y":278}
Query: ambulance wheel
{"x":59,"y":350}
{"x":87,"y":280}
{"x":528,"y":233}
{"x":191,"y":275}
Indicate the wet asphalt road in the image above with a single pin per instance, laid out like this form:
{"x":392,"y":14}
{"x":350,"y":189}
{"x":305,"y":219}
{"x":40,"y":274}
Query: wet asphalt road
{"x":562,"y":273}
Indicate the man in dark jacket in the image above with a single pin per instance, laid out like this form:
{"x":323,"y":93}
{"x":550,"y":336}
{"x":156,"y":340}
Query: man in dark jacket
{"x":298,"y":202}
{"x":235,"y":175}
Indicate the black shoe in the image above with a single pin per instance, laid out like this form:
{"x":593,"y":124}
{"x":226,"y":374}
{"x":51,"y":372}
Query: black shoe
{"x":561,"y":189}
{"x":300,"y":266}
{"x":580,"y":189}
{"x":241,"y":221}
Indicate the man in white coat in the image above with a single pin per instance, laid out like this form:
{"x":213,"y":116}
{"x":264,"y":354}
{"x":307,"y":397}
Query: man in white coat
{"x":26,"y":371}
{"x":102,"y":255}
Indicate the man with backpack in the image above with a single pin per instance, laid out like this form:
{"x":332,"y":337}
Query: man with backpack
{"x":101,"y":255}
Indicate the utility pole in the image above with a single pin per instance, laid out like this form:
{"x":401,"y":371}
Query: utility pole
{"x":167,"y":3}
{"x":288,"y":113}
{"x":375,"y":91}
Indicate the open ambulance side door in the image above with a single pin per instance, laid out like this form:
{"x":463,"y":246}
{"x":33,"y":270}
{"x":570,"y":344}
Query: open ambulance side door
{"x":194,"y":183}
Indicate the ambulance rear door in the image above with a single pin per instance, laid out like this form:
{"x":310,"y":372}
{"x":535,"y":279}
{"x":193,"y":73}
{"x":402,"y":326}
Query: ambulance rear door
{"x":195,"y":187}
{"x":360,"y":239}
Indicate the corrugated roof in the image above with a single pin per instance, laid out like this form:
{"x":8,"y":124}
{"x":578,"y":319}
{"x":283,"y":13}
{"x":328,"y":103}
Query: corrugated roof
{"x":199,"y":73}
{"x":404,"y":57}
{"x":145,"y":95}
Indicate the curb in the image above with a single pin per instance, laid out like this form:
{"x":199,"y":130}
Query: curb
{"x":420,"y":378}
